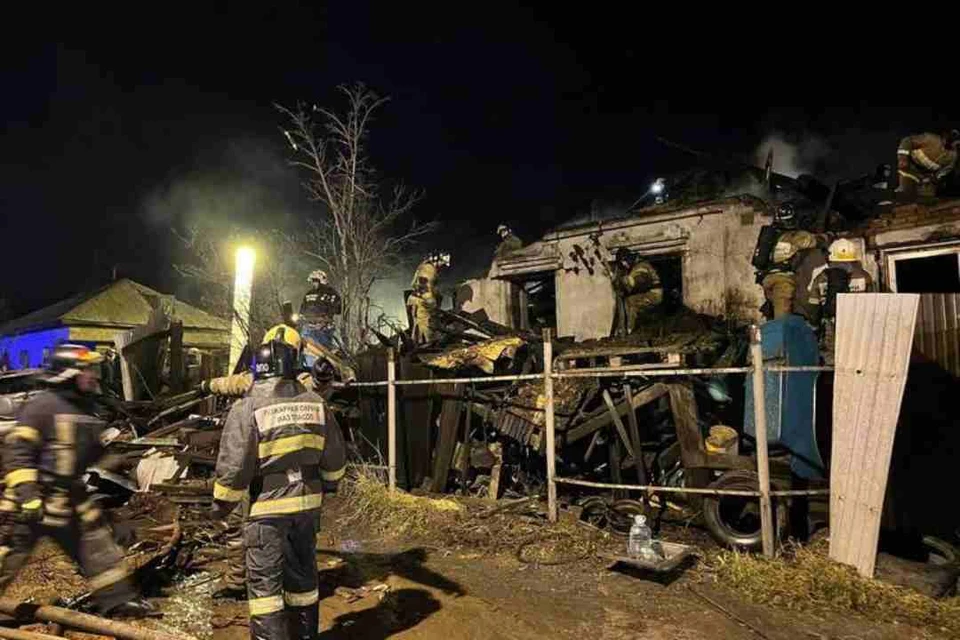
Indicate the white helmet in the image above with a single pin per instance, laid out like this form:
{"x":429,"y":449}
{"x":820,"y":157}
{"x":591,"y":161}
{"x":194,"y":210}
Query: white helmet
{"x":318,"y":275}
{"x":843,"y":250}
{"x":503,"y":230}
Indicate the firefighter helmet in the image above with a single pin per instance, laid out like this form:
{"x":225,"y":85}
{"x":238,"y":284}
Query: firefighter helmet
{"x":843,"y":250}
{"x":318,"y":276}
{"x":624,"y":256}
{"x":323,"y":371}
{"x":66,"y":361}
{"x":503,"y":230}
{"x":786,"y":215}
{"x":278,"y":354}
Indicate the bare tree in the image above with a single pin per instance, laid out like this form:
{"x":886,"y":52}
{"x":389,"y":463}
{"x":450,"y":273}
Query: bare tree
{"x":359,"y":233}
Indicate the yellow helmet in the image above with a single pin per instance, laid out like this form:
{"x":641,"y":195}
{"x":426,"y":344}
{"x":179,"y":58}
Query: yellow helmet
{"x":285,"y":333}
{"x":843,"y":250}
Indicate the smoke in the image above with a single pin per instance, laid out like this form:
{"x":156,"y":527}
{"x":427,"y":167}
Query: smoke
{"x":244,"y":182}
{"x":794,"y":155}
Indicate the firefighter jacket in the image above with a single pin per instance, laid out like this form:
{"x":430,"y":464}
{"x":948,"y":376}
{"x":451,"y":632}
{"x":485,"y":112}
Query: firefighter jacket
{"x":641,"y":277}
{"x":924,"y":157}
{"x":281,"y":445}
{"x":320,"y":304}
{"x":859,"y":282}
{"x":508,"y":245}
{"x":786,"y":253}
{"x":56,"y":438}
{"x":425,"y":277}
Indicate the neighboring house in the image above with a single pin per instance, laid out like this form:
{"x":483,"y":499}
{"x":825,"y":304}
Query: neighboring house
{"x":95,"y":318}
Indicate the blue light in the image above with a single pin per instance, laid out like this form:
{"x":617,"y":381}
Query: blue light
{"x":27,"y":350}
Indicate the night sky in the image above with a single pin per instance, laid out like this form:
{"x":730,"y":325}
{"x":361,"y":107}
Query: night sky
{"x":518,"y":115}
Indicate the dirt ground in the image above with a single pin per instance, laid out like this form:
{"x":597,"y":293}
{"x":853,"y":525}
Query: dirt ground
{"x":407,"y":589}
{"x":381,"y":589}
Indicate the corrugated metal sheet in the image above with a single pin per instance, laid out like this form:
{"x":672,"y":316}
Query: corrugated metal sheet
{"x":875,"y":332}
{"x":938,"y":330}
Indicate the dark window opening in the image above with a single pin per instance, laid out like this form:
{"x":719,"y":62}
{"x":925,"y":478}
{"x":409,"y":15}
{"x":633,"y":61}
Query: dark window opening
{"x":935,"y":274}
{"x":540,"y":293}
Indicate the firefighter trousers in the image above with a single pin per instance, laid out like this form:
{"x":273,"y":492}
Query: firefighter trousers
{"x":282,"y":577}
{"x":93,"y":548}
{"x":639,"y":305}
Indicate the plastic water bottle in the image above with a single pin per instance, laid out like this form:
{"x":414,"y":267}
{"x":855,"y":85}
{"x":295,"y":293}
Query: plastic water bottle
{"x":638,"y":544}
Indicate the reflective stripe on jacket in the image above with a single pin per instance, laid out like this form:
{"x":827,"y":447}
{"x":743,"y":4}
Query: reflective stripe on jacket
{"x":281,"y":444}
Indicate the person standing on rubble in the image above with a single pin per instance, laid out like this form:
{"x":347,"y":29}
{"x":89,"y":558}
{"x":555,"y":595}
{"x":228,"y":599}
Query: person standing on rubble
{"x":425,"y":299}
{"x":843,"y":273}
{"x":923,"y":160}
{"x":320,"y":305}
{"x":283,"y":447}
{"x":45,"y":456}
{"x":637,"y":286}
{"x":780,"y":247}
{"x":508,"y":242}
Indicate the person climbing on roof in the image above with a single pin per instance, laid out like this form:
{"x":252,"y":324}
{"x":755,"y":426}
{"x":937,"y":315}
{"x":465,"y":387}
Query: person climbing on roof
{"x":924,"y":160}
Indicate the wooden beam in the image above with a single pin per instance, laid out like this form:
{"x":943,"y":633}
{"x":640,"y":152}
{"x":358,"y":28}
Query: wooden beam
{"x":601,"y":417}
{"x":683,"y":404}
{"x":450,"y":411}
{"x":639,"y":462}
{"x":618,"y":423}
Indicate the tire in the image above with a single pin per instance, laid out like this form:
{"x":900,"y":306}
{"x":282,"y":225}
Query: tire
{"x":734,"y":521}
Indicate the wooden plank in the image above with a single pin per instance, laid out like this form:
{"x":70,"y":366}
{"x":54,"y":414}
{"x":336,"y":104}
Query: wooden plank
{"x":450,"y":410}
{"x":615,"y":416}
{"x":874,"y":335}
{"x":601,"y":417}
{"x":416,"y":413}
{"x":683,"y":404}
{"x":177,"y":368}
{"x":635,"y":436}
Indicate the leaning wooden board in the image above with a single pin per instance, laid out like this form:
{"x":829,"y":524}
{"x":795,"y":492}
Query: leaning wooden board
{"x":873,"y":341}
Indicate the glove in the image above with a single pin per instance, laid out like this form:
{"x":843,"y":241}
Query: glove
{"x":32,"y":510}
{"x":221,"y":509}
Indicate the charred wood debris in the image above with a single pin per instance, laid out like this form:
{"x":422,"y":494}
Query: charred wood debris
{"x":479,"y":439}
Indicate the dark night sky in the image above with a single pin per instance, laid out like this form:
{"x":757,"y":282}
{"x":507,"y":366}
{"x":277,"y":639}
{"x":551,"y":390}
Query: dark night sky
{"x":511,"y":114}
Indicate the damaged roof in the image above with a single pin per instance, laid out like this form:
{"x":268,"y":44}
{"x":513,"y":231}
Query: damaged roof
{"x":123,"y":303}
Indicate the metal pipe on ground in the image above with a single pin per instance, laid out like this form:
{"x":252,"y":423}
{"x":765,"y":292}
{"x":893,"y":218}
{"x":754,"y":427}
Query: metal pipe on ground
{"x":80,"y":621}
{"x":694,"y":490}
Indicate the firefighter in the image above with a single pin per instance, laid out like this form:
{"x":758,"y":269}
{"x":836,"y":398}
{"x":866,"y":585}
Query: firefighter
{"x":320,"y":305}
{"x":57,"y":436}
{"x":283,"y":448}
{"x":843,"y":273}
{"x":780,"y":248}
{"x":508,"y":241}
{"x":425,"y":298}
{"x":638,"y":287}
{"x":923,"y":160}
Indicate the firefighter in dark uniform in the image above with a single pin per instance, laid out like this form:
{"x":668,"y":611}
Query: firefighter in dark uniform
{"x":283,"y":447}
{"x":923,"y":160}
{"x":509,"y":242}
{"x":638,"y":288}
{"x":843,"y":273}
{"x":57,"y":436}
{"x":318,"y":309}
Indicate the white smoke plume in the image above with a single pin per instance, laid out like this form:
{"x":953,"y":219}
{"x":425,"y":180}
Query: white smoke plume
{"x":794,"y":155}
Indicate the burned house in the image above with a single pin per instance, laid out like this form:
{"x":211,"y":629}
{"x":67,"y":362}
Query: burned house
{"x":702,"y":253}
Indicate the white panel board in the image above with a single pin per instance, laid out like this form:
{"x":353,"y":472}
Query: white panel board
{"x":873,"y":342}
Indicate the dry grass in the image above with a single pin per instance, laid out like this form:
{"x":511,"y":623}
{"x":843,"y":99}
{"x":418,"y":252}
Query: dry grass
{"x":462,"y":523}
{"x":806,"y":579}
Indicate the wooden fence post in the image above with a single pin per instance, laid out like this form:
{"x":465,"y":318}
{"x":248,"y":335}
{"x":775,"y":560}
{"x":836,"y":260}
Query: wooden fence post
{"x":760,"y":422}
{"x":391,"y":420}
{"x":550,"y":426}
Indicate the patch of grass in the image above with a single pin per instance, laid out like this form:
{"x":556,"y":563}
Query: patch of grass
{"x":462,"y":523}
{"x":807,"y":579}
